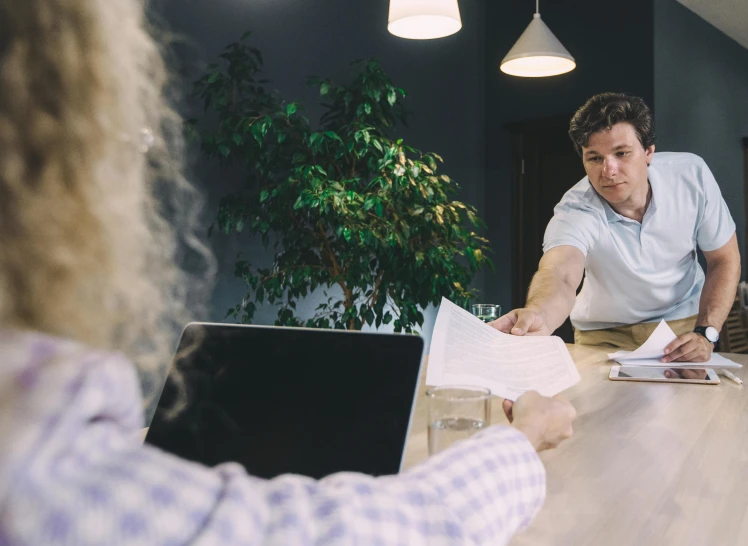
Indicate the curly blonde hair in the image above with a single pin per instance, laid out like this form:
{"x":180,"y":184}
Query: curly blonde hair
{"x":90,"y":225}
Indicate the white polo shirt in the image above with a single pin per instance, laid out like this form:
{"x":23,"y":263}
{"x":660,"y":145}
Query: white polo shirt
{"x":643,"y":272}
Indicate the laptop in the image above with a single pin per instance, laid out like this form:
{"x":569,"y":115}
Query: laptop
{"x":291,"y":400}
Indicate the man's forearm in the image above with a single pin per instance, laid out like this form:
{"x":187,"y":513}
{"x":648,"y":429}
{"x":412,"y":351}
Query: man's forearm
{"x":550,"y":295}
{"x":718,"y":293}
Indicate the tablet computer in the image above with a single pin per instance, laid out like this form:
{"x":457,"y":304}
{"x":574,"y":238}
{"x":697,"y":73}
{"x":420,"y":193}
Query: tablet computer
{"x":706,"y":376}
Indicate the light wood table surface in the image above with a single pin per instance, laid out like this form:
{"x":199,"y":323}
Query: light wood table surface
{"x":648,"y":464}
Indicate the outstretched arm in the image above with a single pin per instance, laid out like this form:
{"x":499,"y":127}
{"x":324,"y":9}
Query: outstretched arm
{"x":551,"y":296}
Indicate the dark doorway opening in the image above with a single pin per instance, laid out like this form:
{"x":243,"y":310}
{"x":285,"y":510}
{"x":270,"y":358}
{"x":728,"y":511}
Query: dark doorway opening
{"x":544,"y":167}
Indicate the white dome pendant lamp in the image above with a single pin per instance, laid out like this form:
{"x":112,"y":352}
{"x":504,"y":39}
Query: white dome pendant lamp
{"x":537,"y":53}
{"x":424,"y":19}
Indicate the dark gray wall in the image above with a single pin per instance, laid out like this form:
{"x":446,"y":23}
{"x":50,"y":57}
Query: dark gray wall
{"x":612,"y":46}
{"x":701,"y":98}
{"x":444,"y":80}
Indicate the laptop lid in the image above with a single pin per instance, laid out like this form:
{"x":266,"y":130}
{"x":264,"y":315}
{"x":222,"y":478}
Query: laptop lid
{"x":291,"y":400}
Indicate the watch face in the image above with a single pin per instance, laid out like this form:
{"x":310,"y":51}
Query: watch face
{"x":712,"y":334}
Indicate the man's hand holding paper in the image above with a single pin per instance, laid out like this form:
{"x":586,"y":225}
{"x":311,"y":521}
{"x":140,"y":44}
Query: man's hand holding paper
{"x":690,"y":347}
{"x":522,"y":322}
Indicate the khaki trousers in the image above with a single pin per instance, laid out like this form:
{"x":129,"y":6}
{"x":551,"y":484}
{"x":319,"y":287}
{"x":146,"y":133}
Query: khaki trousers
{"x":629,"y":337}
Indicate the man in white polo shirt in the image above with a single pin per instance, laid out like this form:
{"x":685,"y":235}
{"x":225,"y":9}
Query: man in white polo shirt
{"x":632,"y":227}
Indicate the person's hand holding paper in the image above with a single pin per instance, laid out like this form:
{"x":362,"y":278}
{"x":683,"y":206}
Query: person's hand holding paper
{"x":689,"y":347}
{"x":545,"y":421}
{"x":522,"y":322}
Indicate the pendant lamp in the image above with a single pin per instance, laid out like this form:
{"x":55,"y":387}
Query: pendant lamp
{"x":424,"y":19}
{"x":537,"y":53}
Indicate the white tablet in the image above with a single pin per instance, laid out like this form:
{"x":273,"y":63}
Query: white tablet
{"x":706,"y":376}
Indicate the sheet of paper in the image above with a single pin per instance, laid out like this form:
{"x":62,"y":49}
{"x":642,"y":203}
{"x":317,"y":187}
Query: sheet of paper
{"x":652,"y":350}
{"x":716,"y":361}
{"x":466,"y":351}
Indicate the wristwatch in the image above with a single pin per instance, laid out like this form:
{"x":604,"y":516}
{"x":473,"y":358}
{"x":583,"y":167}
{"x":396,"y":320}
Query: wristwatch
{"x":709,"y":332}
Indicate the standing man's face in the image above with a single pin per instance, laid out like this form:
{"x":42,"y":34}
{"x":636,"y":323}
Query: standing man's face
{"x":616,"y":164}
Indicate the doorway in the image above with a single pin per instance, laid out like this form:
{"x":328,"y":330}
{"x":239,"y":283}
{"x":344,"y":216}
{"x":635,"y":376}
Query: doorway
{"x":544,"y":167}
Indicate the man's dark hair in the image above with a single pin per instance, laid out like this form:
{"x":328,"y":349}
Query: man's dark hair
{"x":605,"y":110}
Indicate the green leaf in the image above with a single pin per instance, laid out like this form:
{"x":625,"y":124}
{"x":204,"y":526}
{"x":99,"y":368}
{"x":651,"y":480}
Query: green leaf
{"x":291,"y":109}
{"x":224,"y":150}
{"x":257,"y":133}
{"x":369,"y":316}
{"x":391,"y":97}
{"x":324,"y":88}
{"x":367,"y":108}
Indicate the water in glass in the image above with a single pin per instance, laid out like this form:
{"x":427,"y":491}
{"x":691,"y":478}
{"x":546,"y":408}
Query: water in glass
{"x":445,"y":432}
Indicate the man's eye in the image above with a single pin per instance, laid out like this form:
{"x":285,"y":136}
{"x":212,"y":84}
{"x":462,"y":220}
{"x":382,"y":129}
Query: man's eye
{"x":593,"y":159}
{"x":623,"y":154}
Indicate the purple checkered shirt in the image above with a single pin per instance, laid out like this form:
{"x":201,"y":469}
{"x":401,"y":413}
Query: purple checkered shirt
{"x":73,"y":471}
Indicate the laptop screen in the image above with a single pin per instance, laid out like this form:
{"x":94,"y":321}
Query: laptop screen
{"x":291,"y":400}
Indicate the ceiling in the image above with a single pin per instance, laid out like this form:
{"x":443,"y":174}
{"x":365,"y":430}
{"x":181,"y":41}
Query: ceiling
{"x":729,"y":16}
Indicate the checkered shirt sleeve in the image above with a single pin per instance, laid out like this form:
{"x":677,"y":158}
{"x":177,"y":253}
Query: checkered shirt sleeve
{"x":76,"y":475}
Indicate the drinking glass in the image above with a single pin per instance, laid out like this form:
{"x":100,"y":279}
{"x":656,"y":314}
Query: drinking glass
{"x":456,"y":413}
{"x":487,"y":312}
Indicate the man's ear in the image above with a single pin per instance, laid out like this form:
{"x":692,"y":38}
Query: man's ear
{"x":648,"y":153}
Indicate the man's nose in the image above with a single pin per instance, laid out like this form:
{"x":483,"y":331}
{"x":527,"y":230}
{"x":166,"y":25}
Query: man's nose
{"x":610,"y":167}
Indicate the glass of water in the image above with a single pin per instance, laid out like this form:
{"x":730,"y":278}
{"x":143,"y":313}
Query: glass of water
{"x":487,"y":312}
{"x":456,"y":413}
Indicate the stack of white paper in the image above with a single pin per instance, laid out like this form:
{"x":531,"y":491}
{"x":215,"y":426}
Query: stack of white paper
{"x":466,"y":351}
{"x":652,"y":350}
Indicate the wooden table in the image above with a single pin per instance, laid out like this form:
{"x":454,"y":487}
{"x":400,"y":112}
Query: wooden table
{"x":649,"y":463}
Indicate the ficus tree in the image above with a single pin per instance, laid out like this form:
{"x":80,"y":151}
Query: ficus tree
{"x":349,"y":208}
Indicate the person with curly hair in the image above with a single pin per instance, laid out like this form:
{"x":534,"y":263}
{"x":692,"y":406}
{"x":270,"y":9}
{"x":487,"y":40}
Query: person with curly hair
{"x":94,"y":217}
